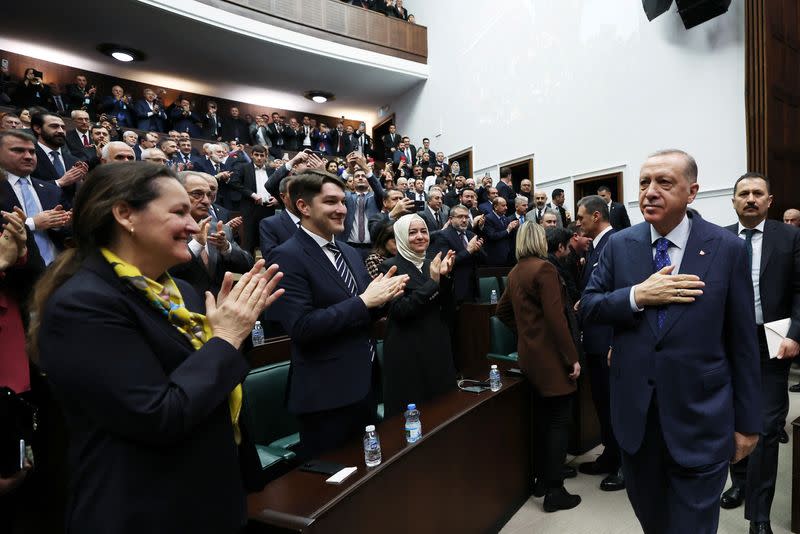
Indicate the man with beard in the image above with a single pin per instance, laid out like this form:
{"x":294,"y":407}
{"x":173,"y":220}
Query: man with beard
{"x":170,"y":149}
{"x":55,"y":163}
{"x":459,"y":237}
{"x":539,"y":205}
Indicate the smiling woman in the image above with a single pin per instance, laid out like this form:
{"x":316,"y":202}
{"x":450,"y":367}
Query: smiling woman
{"x":147,"y":373}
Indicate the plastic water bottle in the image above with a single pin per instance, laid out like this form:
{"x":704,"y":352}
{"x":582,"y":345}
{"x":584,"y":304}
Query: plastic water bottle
{"x":258,"y":335}
{"x":413,"y":424}
{"x":494,"y":379}
{"x":372,"y":447}
{"x":493,"y":297}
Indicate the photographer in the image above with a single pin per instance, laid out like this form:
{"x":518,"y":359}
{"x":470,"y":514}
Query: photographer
{"x":32,"y":91}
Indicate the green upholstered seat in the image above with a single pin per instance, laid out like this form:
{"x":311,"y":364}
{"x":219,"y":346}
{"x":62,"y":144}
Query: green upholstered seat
{"x":503,"y":342}
{"x":485,"y":286}
{"x":269,"y":424}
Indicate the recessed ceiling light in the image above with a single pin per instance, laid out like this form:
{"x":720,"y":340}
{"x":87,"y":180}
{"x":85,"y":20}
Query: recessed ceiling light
{"x":121,"y":53}
{"x":122,"y":56}
{"x":320,"y":97}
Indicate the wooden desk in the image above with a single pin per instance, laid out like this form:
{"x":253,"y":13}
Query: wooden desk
{"x":470,"y":472}
{"x":473,"y":336}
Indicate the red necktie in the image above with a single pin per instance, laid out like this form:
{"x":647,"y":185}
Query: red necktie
{"x":86,"y":140}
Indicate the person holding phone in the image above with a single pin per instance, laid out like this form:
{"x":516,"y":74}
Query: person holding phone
{"x":32,"y":91}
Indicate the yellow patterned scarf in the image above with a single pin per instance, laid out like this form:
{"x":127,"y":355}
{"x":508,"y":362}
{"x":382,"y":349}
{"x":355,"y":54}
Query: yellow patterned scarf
{"x":166,"y":298}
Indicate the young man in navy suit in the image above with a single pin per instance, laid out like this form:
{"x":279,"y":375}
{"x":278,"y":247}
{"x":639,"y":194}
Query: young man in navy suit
{"x":54,"y":162}
{"x":498,"y":233}
{"x":685,"y":378}
{"x":328,"y":309}
{"x":774,"y":249}
{"x":592,"y":219}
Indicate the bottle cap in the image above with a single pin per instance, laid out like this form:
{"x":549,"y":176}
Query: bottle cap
{"x":370,"y":428}
{"x":494,"y":367}
{"x":412,"y":406}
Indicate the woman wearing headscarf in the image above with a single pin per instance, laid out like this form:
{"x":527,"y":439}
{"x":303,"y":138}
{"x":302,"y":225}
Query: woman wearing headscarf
{"x":418,"y":361}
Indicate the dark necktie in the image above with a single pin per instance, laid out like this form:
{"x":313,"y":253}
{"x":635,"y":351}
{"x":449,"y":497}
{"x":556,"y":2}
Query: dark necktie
{"x":748,"y":241}
{"x":57,"y":163}
{"x":438,"y":220}
{"x":464,"y":239}
{"x":86,"y":140}
{"x":216,"y":168}
{"x":661,"y":260}
{"x":343,"y":269}
{"x":362,"y":202}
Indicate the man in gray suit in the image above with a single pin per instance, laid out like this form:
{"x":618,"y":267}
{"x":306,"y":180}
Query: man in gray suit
{"x":213,"y":250}
{"x":361,"y":205}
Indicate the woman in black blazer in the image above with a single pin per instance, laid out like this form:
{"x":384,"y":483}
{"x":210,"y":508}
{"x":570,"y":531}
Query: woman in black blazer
{"x":417,"y":356}
{"x":147,"y":373}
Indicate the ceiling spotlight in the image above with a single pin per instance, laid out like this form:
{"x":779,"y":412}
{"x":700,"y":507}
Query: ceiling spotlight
{"x":122,"y":56}
{"x":121,"y":53}
{"x":320,"y":97}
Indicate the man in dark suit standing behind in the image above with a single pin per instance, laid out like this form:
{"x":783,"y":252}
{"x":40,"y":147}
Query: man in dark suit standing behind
{"x":498,"y":233}
{"x":390,"y":142}
{"x":250,"y":179}
{"x":685,"y":384}
{"x":617,"y":214}
{"x":460,"y":238}
{"x":774,"y":253}
{"x":328,"y":311}
{"x":592,"y":219}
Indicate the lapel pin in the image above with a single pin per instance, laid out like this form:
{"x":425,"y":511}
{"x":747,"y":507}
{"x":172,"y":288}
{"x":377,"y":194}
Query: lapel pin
{"x":702,"y":252}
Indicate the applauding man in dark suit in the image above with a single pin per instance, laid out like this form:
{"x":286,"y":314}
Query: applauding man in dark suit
{"x":329,"y":307}
{"x":774,"y":258}
{"x":685,"y":379}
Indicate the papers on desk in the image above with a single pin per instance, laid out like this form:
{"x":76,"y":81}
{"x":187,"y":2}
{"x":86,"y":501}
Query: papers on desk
{"x":340,"y":477}
{"x":776,"y":331}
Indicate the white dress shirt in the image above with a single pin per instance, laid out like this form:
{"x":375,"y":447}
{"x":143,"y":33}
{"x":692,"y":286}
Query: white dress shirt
{"x":678,"y":238}
{"x":599,"y":237}
{"x":261,"y":183}
{"x":295,"y":219}
{"x":13,"y":180}
{"x":757,"y":243}
{"x":353,"y":238}
{"x":322,"y":242}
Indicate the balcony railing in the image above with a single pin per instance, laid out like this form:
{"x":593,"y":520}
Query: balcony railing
{"x":339,"y":22}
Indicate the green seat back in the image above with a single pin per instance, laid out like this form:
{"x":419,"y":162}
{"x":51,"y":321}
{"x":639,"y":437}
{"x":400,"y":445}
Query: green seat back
{"x":264,"y":412}
{"x":503,"y":340}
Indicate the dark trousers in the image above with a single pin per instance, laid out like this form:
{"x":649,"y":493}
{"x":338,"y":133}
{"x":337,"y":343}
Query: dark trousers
{"x":552,"y":417}
{"x":601,"y":396}
{"x":251,"y":219}
{"x":324,"y":431}
{"x":667,"y":497}
{"x":758,"y":472}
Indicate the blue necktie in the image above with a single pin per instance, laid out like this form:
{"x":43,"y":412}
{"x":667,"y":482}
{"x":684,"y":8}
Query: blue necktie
{"x":660,"y":261}
{"x":57,"y":163}
{"x":32,"y":210}
{"x":748,"y":240}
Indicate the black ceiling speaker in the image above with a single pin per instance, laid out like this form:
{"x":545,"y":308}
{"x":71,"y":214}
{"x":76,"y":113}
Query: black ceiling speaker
{"x":694,"y":12}
{"x":654,"y":8}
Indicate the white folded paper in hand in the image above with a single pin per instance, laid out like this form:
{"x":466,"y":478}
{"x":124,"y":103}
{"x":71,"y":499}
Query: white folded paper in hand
{"x":776,"y":331}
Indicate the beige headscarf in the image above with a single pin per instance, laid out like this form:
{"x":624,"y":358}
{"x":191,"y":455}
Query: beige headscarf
{"x":401,"y":227}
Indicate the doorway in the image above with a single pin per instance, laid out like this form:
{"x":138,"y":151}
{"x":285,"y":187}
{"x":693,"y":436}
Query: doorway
{"x":588,"y":186}
{"x":378,"y":131}
{"x":520,"y":170}
{"x":464,"y":159}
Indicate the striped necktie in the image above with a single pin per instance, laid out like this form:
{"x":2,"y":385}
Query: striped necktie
{"x":343,"y":269}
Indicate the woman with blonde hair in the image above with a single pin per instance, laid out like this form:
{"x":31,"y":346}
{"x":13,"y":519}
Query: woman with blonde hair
{"x":533,"y":306}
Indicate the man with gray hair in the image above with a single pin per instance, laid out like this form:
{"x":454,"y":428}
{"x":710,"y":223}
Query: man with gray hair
{"x":116,"y":152}
{"x":155,"y":155}
{"x":549,"y":219}
{"x":130,"y":137}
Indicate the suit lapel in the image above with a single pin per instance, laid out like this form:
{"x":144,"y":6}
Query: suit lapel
{"x":767,"y":247}
{"x":314,"y":251}
{"x":701,"y":249}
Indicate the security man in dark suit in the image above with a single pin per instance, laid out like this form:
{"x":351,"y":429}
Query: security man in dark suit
{"x":617,"y":214}
{"x":390,"y":142}
{"x":329,"y":305}
{"x":497,"y":234}
{"x":592,"y":218}
{"x":774,"y":254}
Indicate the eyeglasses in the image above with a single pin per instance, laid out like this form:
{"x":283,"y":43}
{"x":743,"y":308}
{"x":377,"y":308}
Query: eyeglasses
{"x":198,"y":195}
